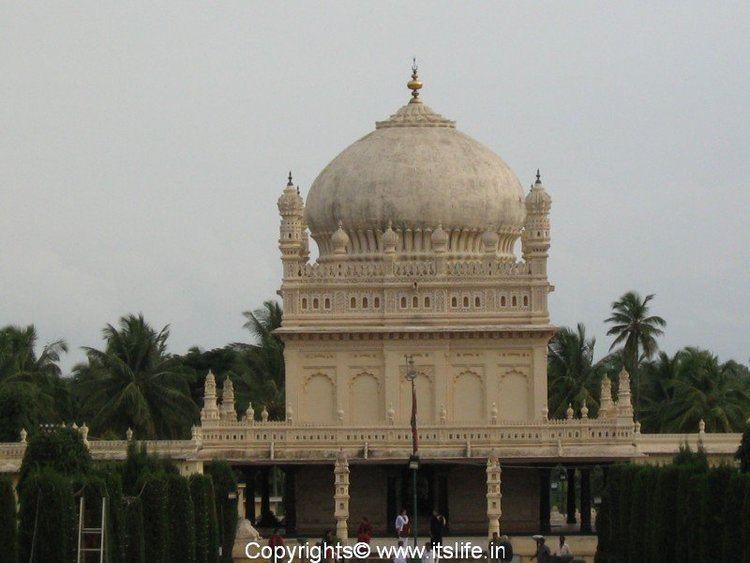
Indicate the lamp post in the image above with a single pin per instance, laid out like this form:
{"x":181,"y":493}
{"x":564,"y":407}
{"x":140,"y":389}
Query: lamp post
{"x":411,"y":376}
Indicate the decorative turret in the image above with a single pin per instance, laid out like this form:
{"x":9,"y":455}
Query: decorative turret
{"x":535,"y":240}
{"x":292,"y":232}
{"x":490,"y":240}
{"x":209,"y":410}
{"x":624,"y":406}
{"x":227,"y":401}
{"x":606,"y":407}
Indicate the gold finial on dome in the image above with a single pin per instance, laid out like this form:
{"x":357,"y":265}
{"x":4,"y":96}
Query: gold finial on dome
{"x":414,"y":84}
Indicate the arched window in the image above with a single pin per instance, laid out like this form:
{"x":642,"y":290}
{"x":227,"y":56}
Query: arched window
{"x":477,"y":302}
{"x":502,"y":301}
{"x":327,"y":303}
{"x":525,"y":300}
{"x":454,"y":302}
{"x":514,"y":301}
{"x":403,"y":302}
{"x":315,"y":303}
{"x":376,"y":302}
{"x":466,"y":301}
{"x":415,"y":301}
{"x":427,"y":301}
{"x":353,"y":303}
{"x":304,"y":302}
{"x":364,"y":302}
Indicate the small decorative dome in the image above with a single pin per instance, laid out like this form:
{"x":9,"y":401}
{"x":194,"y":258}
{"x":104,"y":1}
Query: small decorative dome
{"x":340,"y":240}
{"x":390,"y":239}
{"x":439,"y":239}
{"x":490,"y":240}
{"x":290,"y":201}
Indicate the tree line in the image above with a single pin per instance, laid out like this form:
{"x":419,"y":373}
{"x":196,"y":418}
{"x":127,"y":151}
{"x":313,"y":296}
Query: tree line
{"x":134,"y":382}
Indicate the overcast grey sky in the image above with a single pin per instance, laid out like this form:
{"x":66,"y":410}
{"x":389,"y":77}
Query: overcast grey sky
{"x":143,"y":147}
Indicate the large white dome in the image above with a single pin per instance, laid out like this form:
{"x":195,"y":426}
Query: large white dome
{"x":416,"y":171}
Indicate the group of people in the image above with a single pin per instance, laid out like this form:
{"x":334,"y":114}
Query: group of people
{"x":499,"y":549}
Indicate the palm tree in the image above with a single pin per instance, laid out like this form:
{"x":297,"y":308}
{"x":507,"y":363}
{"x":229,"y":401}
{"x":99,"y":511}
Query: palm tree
{"x":260,"y":365}
{"x":134,"y":383}
{"x":34,"y":377}
{"x":636,"y":330}
{"x":574,"y":377}
{"x":659,"y":376}
{"x":707,"y":390}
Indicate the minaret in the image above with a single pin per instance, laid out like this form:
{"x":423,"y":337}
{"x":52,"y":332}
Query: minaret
{"x":536,"y":240}
{"x":227,"y":401}
{"x":209,"y":410}
{"x":292,"y":236}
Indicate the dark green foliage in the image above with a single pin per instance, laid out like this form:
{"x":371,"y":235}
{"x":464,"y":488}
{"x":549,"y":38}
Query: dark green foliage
{"x":607,"y":516}
{"x":713,"y":511}
{"x":638,"y":526}
{"x":735,"y":496}
{"x":139,"y":464}
{"x":225,"y":484}
{"x":746,"y":523}
{"x":661,"y":541}
{"x":181,"y":536}
{"x":18,"y":408}
{"x":204,"y":509}
{"x":8,"y":524}
{"x":134,"y":548}
{"x":743,"y":452}
{"x":697,"y":461}
{"x":51,"y":495}
{"x":625,"y":510}
{"x":155,"y":518}
{"x":61,"y":450}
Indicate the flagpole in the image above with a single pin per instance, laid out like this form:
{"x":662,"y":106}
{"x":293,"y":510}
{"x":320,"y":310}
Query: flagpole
{"x":411,"y":375}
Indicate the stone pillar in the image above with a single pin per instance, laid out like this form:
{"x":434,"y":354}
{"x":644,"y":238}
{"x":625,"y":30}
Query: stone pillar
{"x":341,"y":498}
{"x":290,"y":500}
{"x":586,"y":500}
{"x":544,"y":500}
{"x":494,"y":496}
{"x":571,"y":508}
{"x":249,"y":494}
{"x":240,"y":500}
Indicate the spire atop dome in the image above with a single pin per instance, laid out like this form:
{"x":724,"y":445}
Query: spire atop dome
{"x":414,"y":84}
{"x":290,"y":183}
{"x":538,"y":177}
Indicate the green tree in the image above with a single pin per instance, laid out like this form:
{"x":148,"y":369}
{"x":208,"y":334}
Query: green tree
{"x":59,"y":449}
{"x":155,"y":518}
{"x":32,"y":390}
{"x":734,"y":497}
{"x":134,"y":544}
{"x":134,"y":383}
{"x":661,"y":541}
{"x":260,"y":365}
{"x":573,"y":375}
{"x":659,"y":376}
{"x":743,"y":452}
{"x":48,"y":495}
{"x":204,"y":511}
{"x":181,"y":536}
{"x":705,"y":390}
{"x":225,"y":495}
{"x":636,"y":331}
{"x":8,"y":522}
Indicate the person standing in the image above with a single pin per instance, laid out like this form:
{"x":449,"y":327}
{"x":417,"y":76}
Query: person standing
{"x":400,"y":556}
{"x":562,"y":553}
{"x":437,"y":527}
{"x":403,"y":526}
{"x":543,"y":553}
{"x":364,"y":532}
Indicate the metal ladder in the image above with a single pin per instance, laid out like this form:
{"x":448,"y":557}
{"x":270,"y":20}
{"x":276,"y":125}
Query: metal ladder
{"x":84,"y":534}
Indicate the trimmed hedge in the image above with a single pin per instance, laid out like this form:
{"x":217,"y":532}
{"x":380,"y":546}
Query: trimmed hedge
{"x":134,"y":547}
{"x":61,"y":450}
{"x":225,"y":484}
{"x":204,"y":510}
{"x":155,"y":518}
{"x":8,"y":522}
{"x":181,"y":521}
{"x":51,"y":495}
{"x":681,"y":512}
